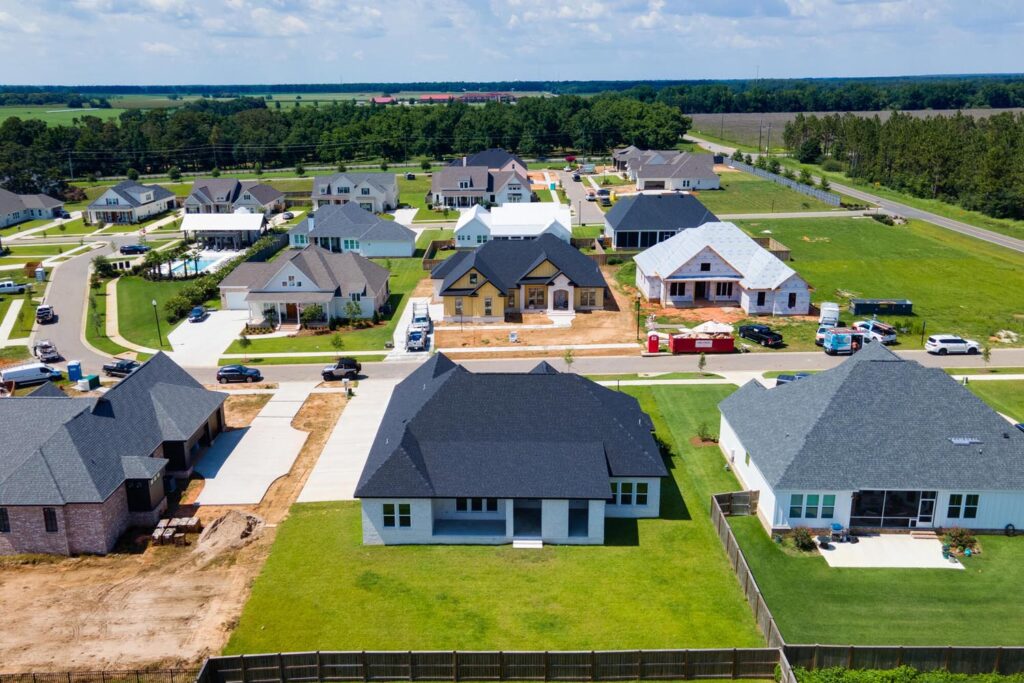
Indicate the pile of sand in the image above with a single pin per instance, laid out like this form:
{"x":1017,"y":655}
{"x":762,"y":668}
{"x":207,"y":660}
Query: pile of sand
{"x":228,"y":532}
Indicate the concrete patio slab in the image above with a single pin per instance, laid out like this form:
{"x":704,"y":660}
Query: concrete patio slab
{"x":894,"y":551}
{"x":341,"y":463}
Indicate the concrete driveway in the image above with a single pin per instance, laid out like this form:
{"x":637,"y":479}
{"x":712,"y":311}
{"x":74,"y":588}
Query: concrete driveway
{"x":198,"y":345}
{"x":242,"y":464}
{"x":586,"y":212}
{"x":341,"y":463}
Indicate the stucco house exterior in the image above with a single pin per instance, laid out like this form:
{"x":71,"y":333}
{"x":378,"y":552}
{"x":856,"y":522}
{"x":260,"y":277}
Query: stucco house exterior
{"x":877,"y":443}
{"x":717,"y":263}
{"x":76,"y":473}
{"x":490,"y":458}
{"x":513,"y":222}
{"x":374,"y":192}
{"x":18,"y":208}
{"x":228,"y":195}
{"x":350,"y":228}
{"x":515,"y":276}
{"x":277,"y":291}
{"x":466,"y":186}
{"x":670,"y":170}
{"x":130,"y":202}
{"x":643,"y":220}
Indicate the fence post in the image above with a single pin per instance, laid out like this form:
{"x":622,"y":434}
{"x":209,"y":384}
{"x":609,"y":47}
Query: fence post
{"x":998,"y":664}
{"x":593,"y":665}
{"x":949,"y":657}
{"x":365,"y":665}
{"x":639,"y":665}
{"x":455,"y":665}
{"x":899,"y":656}
{"x":547,"y":667}
{"x":241,"y":664}
{"x":501,"y":665}
{"x":734,"y":663}
{"x":410,"y":664}
{"x":280,"y":668}
{"x":849,"y":657}
{"x":319,"y":667}
{"x":686,"y":664}
{"x":814,"y":658}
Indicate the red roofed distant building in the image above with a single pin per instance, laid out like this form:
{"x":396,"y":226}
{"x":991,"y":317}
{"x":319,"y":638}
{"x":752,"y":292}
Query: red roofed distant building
{"x":440,"y":97}
{"x":386,"y":99}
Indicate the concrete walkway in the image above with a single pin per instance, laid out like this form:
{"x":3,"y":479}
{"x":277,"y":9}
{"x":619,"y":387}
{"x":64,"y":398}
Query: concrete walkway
{"x":242,"y":464}
{"x":891,"y":551}
{"x":341,"y":463}
{"x":7,"y":326}
{"x":405,"y":216}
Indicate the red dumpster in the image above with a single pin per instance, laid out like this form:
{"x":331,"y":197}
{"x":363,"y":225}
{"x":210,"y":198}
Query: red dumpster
{"x":653,"y":343}
{"x":682,"y":343}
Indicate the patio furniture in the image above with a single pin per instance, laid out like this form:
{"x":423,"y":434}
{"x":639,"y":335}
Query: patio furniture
{"x":162,"y":524}
{"x":838,"y":533}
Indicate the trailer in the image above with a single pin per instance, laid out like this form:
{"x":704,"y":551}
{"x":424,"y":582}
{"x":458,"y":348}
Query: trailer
{"x":881,"y":307}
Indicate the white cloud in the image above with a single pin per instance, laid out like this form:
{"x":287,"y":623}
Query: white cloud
{"x":159,"y":49}
{"x":358,"y":55}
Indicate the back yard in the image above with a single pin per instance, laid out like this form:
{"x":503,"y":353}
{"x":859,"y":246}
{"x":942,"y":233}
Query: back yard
{"x":658,"y":583}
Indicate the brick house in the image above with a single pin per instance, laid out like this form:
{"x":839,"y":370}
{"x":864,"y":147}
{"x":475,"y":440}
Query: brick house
{"x":78,"y":472}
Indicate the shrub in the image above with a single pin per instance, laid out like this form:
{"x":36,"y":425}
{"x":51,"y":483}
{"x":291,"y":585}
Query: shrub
{"x":311,"y":314}
{"x":832,"y":165}
{"x":803,"y":539}
{"x":883,"y":218}
{"x":300,"y":170}
{"x":258,"y":168}
{"x":132,"y":174}
{"x":425,"y":165}
{"x":614,"y":261}
{"x":383,"y":165}
{"x":704,"y":432}
{"x":177,"y":307}
{"x":174,"y":173}
{"x":959,"y":538}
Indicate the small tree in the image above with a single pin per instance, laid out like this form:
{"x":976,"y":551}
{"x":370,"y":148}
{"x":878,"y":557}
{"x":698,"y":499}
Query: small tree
{"x":702,"y":362}
{"x":986,"y":354}
{"x":824,"y":184}
{"x":805,"y":177}
{"x":748,"y":160}
{"x":300,"y":170}
{"x":737,"y":155}
{"x":342,"y":167}
{"x":425,"y":165}
{"x":569,"y":357}
{"x":774,"y":166}
{"x":95,"y":318}
{"x":215,"y":172}
{"x":245,"y":343}
{"x":383,"y":165}
{"x":102,"y":267}
{"x":352,"y":311}
{"x":257,"y":168}
{"x":174,"y":173}
{"x":337,"y":343}
{"x":132,"y":174}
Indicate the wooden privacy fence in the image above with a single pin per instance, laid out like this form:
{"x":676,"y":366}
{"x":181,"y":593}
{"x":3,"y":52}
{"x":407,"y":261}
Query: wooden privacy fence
{"x":957,"y":659}
{"x":618,"y":665}
{"x":132,"y":676}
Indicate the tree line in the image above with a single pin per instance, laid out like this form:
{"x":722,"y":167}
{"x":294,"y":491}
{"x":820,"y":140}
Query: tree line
{"x":976,"y":162}
{"x":245,"y":133}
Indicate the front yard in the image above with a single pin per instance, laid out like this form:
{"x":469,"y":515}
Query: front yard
{"x":660,"y":583}
{"x":1006,"y":396}
{"x":135,"y":319}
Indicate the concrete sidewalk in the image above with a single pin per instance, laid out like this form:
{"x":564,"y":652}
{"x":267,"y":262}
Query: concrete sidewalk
{"x":7,"y":326}
{"x":242,"y":464}
{"x":341,"y":463}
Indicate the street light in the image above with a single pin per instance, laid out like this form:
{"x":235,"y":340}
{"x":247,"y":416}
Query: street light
{"x":156,"y":315}
{"x":638,"y":316}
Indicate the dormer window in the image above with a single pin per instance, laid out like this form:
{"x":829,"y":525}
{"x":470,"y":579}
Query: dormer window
{"x":323,"y":189}
{"x":344,"y":189}
{"x":246,"y":196}
{"x":365,"y":191}
{"x":472,"y":278}
{"x":463,"y":184}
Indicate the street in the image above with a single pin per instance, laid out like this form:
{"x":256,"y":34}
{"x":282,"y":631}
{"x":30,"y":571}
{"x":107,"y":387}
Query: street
{"x":587,"y":213}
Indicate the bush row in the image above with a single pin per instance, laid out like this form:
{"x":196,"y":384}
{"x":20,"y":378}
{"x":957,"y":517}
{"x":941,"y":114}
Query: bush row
{"x":903,"y":674}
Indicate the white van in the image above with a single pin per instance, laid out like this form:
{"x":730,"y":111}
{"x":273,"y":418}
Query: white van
{"x":829,"y":314}
{"x":30,"y":373}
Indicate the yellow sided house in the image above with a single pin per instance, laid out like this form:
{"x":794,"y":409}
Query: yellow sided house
{"x":501,"y":277}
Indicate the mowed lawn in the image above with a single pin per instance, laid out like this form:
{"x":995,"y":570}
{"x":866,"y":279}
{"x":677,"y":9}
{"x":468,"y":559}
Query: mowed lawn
{"x":746,"y":193}
{"x":958,"y":284}
{"x":405,"y":274}
{"x":1005,"y":395}
{"x":658,"y":583}
{"x":135,"y":319}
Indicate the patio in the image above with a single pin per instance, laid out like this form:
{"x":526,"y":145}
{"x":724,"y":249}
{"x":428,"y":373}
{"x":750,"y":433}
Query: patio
{"x":892,"y":551}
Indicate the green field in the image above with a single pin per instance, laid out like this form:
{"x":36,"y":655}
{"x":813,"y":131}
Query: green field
{"x":414,"y":194}
{"x":658,"y":583}
{"x":405,"y":274}
{"x":746,"y":193}
{"x":1006,"y":396}
{"x":56,"y":115}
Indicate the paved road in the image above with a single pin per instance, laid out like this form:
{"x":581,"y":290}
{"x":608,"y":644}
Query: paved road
{"x":898,"y":208}
{"x":586,"y":212}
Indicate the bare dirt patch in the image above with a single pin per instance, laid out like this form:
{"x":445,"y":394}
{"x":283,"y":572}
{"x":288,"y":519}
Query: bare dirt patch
{"x":240,"y":410}
{"x":148,"y":606}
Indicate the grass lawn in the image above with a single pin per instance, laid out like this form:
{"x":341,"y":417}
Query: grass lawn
{"x":1006,"y":396}
{"x":428,"y":236}
{"x":20,"y":227}
{"x":13,"y":354}
{"x":653,"y":375}
{"x":135,"y":319}
{"x":658,"y":583}
{"x":958,"y":284}
{"x":40,"y":249}
{"x":405,"y":274}
{"x":95,"y":327}
{"x":746,"y":193}
{"x":994,"y":370}
{"x":814,"y":603}
{"x":414,"y":192}
{"x":587,"y":231}
{"x":72,"y":227}
{"x":56,"y":114}
{"x":611,"y":180}
{"x":299,"y":360}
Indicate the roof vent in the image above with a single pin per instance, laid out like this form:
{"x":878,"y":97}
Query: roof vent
{"x":964,"y":440}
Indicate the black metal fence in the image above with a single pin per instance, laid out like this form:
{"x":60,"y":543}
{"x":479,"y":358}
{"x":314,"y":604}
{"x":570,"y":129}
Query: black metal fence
{"x":956,"y":659}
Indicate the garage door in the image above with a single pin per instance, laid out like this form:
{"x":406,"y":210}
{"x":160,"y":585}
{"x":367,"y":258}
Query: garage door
{"x":235,"y":301}
{"x":654,"y":185}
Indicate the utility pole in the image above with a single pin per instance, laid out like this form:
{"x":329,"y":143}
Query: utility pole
{"x":768,"y":146}
{"x":760,"y":131}
{"x":71,"y":166}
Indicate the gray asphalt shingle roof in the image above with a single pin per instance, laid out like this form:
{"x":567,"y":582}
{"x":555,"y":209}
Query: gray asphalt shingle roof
{"x":132,"y":192}
{"x":219,"y":190}
{"x":10,"y":202}
{"x":328,"y":271}
{"x":61,"y":450}
{"x":658,"y":212}
{"x":875,"y":422}
{"x":384,"y":182}
{"x":493,"y":158}
{"x":349,"y":221}
{"x":448,"y":432}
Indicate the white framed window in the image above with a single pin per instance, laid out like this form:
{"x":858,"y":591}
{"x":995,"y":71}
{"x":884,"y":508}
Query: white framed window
{"x":488,"y":304}
{"x":473,"y":278}
{"x":630,"y":493}
{"x":811,"y":505}
{"x":365,"y":191}
{"x":350,"y":245}
{"x":344,"y":189}
{"x":463,"y":184}
{"x":677,"y":289}
{"x":356,"y":296}
{"x":324,"y":189}
{"x":480,"y":239}
{"x":397,"y":515}
{"x":588,"y":297}
{"x":963,"y":506}
{"x":723,"y":289}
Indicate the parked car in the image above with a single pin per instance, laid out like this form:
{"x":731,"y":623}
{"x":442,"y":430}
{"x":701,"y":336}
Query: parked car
{"x":410,"y":176}
{"x":943,"y":344}
{"x":762,"y":334}
{"x":45,"y":314}
{"x":416,"y":340}
{"x":843,"y":341}
{"x":29,"y":374}
{"x":591,"y":196}
{"x":46,"y":351}
{"x":238,"y":373}
{"x":63,"y":214}
{"x":575,"y":176}
{"x":198,"y":314}
{"x":876,"y":330}
{"x":287,"y":216}
{"x":132,"y":249}
{"x":819,"y":336}
{"x":828,"y":313}
{"x":787,"y":378}
{"x":121,"y":368}
{"x":420,"y":318}
{"x":604,"y":192}
{"x":604,"y":201}
{"x":344,"y":368}
{"x":12,"y":287}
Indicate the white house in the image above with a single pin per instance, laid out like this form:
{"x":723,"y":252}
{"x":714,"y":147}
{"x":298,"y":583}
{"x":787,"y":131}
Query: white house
{"x":130,"y":202}
{"x":228,"y":195}
{"x":490,"y":458}
{"x":16,"y":208}
{"x":717,"y":263}
{"x":513,"y":222}
{"x":224,"y":230}
{"x":278,"y":291}
{"x":669,"y":170}
{"x":464,"y":186}
{"x":374,"y":192}
{"x":350,"y":228}
{"x":879,"y":442}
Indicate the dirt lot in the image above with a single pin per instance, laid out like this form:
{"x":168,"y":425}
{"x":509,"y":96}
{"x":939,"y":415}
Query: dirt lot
{"x":150,"y":606}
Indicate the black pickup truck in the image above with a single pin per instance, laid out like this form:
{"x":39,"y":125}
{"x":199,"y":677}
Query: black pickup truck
{"x":762,"y":334}
{"x":121,"y":368}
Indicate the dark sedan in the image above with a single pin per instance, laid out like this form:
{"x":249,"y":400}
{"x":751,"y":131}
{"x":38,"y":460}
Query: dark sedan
{"x":762,"y":334}
{"x":130,"y":249}
{"x":239,"y":373}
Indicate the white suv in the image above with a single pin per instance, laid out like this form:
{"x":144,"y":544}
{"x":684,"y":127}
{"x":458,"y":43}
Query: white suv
{"x":943,"y":344}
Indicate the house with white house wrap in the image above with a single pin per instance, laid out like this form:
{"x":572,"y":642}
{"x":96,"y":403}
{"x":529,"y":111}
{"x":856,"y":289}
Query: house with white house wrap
{"x":489,"y":458}
{"x":878,"y":442}
{"x":718,"y":263}
{"x":513,"y":222}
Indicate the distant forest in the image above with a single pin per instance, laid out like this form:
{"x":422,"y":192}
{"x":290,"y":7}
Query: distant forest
{"x":690,"y":96}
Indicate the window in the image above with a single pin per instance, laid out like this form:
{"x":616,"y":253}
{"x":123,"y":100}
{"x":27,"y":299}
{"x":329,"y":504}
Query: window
{"x":746,"y":459}
{"x":971,"y":506}
{"x":511,"y":300}
{"x":811,"y":507}
{"x":761,"y":298}
{"x":472,"y":278}
{"x":365,"y":191}
{"x":626,"y":493}
{"x":246,"y":196}
{"x":5,"y":522}
{"x":344,"y":189}
{"x":705,"y":267}
{"x":461,"y":504}
{"x":480,"y":239}
{"x":534,"y":297}
{"x":615,"y":493}
{"x":50,"y":520}
{"x":796,"y":505}
{"x":323,"y":189}
{"x":403,"y":518}
{"x":792,"y":300}
{"x":828,"y":507}
{"x":458,"y":306}
{"x":350,"y":245}
{"x":677,"y":289}
{"x":492,"y":504}
{"x":588,"y":297}
{"x":956,"y":500}
{"x":723,"y":288}
{"x":641,"y":493}
{"x":488,"y":302}
{"x":476,"y":504}
{"x":963,"y":505}
{"x":463,"y":184}
{"x":355,"y":296}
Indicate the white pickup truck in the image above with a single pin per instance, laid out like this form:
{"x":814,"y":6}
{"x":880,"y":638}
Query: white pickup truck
{"x":12,"y":287}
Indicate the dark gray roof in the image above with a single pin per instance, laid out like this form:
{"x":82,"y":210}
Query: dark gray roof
{"x":876,"y":422}
{"x":385,"y":182}
{"x":505,"y":263}
{"x":10,"y":202}
{"x":48,"y":390}
{"x":61,"y":450}
{"x":493,"y":158}
{"x":448,"y":432}
{"x":328,"y":271}
{"x":349,"y":221}
{"x":131,"y":192}
{"x":217,"y":190}
{"x":658,"y":212}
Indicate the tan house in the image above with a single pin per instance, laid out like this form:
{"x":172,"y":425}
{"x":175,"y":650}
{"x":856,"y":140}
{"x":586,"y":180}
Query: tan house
{"x":512,"y":276}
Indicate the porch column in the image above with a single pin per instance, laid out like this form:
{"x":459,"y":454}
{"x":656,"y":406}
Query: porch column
{"x":280,"y":319}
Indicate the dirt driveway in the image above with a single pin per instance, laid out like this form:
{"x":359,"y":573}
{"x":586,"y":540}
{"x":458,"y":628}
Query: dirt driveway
{"x":150,"y":606}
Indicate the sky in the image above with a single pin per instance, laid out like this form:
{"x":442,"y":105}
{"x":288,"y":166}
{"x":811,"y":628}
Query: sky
{"x":132,"y":42}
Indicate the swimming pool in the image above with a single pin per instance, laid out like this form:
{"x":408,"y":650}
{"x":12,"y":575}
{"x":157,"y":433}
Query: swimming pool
{"x":208,"y":261}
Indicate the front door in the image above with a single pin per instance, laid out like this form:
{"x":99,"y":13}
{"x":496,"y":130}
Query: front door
{"x":561,"y":300}
{"x":700,"y":290}
{"x":291,"y":311}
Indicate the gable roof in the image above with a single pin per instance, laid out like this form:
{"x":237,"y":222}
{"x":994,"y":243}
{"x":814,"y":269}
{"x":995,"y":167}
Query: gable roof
{"x":877,"y":421}
{"x":658,"y":212}
{"x":328,"y":271}
{"x":229,"y":190}
{"x":449,"y":432}
{"x":10,"y":202}
{"x":61,"y":450}
{"x":505,"y":263}
{"x":384,"y":182}
{"x":493,"y":158}
{"x":678,"y":165}
{"x":523,"y":219}
{"x":350,"y":221}
{"x":759,"y":268}
{"x":447,"y":179}
{"x":132,"y":192}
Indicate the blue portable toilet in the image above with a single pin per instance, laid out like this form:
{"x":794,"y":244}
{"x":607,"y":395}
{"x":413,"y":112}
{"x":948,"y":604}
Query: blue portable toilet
{"x":40,"y":274}
{"x":74,"y":370}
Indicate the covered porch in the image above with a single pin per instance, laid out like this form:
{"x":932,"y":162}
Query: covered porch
{"x":107,"y":216}
{"x":278,"y":309}
{"x":696,"y":291}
